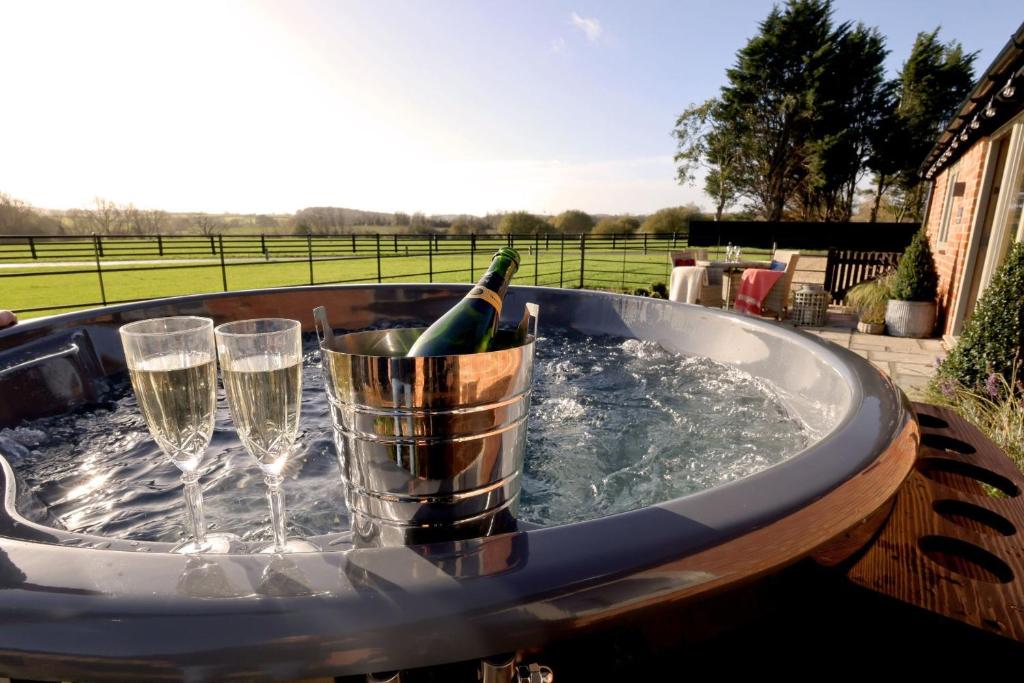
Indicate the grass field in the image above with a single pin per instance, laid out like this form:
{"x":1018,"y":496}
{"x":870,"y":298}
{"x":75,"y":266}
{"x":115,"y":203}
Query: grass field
{"x":47,"y":286}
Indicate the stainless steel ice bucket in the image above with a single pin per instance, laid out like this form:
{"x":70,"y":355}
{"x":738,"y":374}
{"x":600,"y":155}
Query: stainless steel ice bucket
{"x":430,"y":448}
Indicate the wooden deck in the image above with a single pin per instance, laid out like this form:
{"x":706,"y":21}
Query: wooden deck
{"x":953,"y":544}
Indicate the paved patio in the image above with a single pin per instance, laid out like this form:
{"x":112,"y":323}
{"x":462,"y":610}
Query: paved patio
{"x":910,"y":362}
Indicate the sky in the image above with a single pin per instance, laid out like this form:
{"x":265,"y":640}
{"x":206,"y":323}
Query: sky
{"x":440,"y":106}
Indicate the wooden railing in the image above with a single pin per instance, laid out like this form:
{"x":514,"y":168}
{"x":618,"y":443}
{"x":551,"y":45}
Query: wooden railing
{"x":847,"y":268}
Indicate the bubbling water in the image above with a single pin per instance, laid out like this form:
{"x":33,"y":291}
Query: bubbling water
{"x":615,"y":424}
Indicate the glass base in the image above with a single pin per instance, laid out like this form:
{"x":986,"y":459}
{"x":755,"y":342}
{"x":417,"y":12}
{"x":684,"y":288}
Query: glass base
{"x":219,"y":544}
{"x":292,"y":545}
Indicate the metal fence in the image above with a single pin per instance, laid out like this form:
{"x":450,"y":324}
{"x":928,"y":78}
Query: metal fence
{"x":125,"y":268}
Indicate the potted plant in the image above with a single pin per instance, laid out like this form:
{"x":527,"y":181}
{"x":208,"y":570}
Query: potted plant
{"x":870,"y":299}
{"x":911,"y":308}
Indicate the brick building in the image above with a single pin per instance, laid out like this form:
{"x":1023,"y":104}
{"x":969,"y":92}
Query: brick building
{"x":977,"y":194}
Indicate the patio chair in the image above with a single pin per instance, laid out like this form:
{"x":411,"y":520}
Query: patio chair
{"x":711,"y":293}
{"x":681,"y":258}
{"x":777,"y":301}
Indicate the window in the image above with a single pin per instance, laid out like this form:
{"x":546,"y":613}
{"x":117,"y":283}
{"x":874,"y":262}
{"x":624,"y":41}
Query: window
{"x":947,"y":206}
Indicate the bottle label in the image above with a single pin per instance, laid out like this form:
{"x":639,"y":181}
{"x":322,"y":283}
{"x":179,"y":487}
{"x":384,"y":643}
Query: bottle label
{"x":487,"y":295}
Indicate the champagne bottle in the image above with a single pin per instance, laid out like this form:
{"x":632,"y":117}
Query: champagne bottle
{"x":469,"y":326}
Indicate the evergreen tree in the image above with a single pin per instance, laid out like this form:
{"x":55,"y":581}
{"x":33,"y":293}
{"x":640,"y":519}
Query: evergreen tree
{"x":771,"y":97}
{"x":930,"y":86}
{"x":849,"y":103}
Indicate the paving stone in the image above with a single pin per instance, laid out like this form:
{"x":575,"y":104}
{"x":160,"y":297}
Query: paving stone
{"x":900,"y":357}
{"x":914,"y":369}
{"x":908,"y":381}
{"x":869,"y":340}
{"x":932,"y":345}
{"x":884,"y":367}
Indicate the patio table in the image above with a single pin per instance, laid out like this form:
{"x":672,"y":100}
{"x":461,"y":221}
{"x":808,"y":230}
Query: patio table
{"x":732,"y":272}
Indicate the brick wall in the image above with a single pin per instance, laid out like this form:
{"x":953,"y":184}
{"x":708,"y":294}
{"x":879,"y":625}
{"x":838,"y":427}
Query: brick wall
{"x":950,"y":255}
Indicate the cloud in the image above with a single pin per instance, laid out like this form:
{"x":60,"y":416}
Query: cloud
{"x":558,"y":45}
{"x":591,"y":27}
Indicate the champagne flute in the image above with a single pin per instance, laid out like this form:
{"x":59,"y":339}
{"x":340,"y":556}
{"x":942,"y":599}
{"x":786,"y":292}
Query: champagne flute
{"x":173,"y":366}
{"x":261,"y":362}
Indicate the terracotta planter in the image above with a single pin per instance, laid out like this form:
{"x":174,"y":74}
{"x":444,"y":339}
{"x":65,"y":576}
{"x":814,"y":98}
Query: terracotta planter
{"x":870,"y":328}
{"x":910,"y":318}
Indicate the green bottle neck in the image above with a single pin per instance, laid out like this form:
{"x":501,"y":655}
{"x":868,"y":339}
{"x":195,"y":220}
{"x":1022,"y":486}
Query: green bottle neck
{"x":500,"y":273}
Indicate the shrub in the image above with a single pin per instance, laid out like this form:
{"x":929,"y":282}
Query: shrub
{"x":616,"y":225}
{"x":659,"y":290}
{"x":640,"y":291}
{"x":522,"y":223}
{"x":993,"y":337}
{"x":869,"y":299}
{"x":996,"y":407}
{"x":573,"y":222}
{"x":916,"y":279}
{"x":668,"y":221}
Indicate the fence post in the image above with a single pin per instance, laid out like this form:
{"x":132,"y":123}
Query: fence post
{"x":395,"y":237}
{"x":97,"y":250}
{"x":645,"y":244}
{"x":213,"y":249}
{"x":613,"y":241}
{"x":263,"y":246}
{"x":223,"y":267}
{"x":32,"y":247}
{"x":353,"y":243}
{"x":673,"y":239}
{"x":430,"y":265}
{"x":583,"y":257}
{"x":561,"y":259}
{"x":830,"y":261}
{"x":537,"y":253}
{"x":472,"y":255}
{"x":309,"y":253}
{"x":377,"y":239}
{"x":160,"y":244}
{"x":622,"y":283}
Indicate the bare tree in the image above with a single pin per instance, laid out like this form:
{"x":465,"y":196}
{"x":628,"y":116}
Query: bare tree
{"x":153,"y":221}
{"x":144,"y":221}
{"x":208,"y":225}
{"x":130,"y":219}
{"x":16,"y":216}
{"x":105,"y":217}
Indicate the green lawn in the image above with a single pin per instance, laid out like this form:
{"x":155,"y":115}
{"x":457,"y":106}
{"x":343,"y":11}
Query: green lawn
{"x":55,"y":289}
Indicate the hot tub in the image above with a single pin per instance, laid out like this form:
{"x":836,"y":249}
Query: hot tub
{"x":76,"y":606}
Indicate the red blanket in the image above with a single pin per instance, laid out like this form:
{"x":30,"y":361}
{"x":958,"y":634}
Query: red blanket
{"x":754,"y":287}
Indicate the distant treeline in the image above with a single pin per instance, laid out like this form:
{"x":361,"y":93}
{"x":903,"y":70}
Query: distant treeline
{"x":105,"y":217}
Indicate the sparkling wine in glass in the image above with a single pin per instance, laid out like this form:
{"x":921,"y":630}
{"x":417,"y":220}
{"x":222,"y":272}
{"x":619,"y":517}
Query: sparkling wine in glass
{"x":261,"y":363}
{"x":173,"y":367}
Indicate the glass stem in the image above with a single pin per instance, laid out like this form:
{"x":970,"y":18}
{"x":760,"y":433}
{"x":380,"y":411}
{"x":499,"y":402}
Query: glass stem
{"x":275,"y":494}
{"x":194,"y":504}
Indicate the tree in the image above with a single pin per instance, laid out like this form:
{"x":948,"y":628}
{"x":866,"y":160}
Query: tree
{"x":468,"y":225}
{"x":208,"y":225}
{"x":616,"y":225}
{"x":707,"y":139}
{"x":400,"y":218}
{"x":930,"y":86}
{"x":849,"y":104}
{"x":770,"y":97}
{"x":104,"y":218}
{"x":573,"y":222}
{"x":672,"y":220}
{"x":522,"y":223}
{"x":16,"y":216}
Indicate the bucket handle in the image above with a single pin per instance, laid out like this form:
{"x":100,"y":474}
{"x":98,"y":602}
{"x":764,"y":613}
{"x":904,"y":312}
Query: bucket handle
{"x":324,"y":331}
{"x":531,"y":313}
